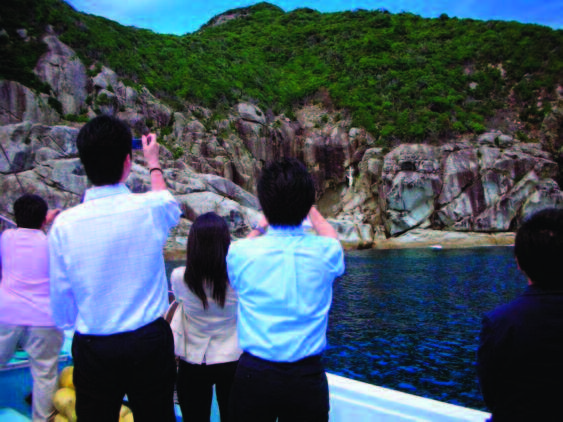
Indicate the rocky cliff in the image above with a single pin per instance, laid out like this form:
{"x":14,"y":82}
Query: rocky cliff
{"x":484,"y":184}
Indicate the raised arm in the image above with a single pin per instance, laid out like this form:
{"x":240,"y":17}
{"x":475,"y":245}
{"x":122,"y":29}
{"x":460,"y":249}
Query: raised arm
{"x":150,"y":151}
{"x":320,"y":225}
{"x":259,"y":229}
{"x":51,"y":215}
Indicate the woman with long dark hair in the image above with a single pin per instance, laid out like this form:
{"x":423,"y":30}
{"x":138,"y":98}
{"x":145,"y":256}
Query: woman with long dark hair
{"x":209,"y":350}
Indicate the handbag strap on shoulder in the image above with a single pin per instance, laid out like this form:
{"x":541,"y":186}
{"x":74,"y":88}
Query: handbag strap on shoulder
{"x":171,"y":311}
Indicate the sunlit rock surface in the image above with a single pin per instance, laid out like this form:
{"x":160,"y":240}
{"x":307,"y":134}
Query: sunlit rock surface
{"x":461,"y":191}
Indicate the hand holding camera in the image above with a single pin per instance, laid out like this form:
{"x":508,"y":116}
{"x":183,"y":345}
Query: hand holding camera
{"x":150,"y":150}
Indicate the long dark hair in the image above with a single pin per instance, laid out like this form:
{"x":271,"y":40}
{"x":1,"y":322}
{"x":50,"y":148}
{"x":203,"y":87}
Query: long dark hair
{"x":208,"y":244}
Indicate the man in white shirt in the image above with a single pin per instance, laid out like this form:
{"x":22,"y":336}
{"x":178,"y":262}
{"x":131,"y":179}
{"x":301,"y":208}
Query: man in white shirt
{"x":108,"y":280}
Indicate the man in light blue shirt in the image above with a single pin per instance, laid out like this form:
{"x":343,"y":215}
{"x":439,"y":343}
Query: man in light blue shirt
{"x":283,"y":280}
{"x":108,"y":281}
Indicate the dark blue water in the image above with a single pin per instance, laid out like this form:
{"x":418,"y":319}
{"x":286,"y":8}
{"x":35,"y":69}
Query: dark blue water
{"x":410,"y":319}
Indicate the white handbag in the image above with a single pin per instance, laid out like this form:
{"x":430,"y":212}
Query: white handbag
{"x":178,"y":320}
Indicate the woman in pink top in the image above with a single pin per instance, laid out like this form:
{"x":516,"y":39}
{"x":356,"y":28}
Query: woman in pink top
{"x":25,"y":310}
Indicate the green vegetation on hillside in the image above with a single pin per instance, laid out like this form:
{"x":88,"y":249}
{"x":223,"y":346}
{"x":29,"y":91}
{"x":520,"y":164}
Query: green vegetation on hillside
{"x":400,"y":76}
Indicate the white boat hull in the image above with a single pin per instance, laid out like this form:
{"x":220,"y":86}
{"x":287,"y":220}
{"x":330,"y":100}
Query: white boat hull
{"x":357,"y":401}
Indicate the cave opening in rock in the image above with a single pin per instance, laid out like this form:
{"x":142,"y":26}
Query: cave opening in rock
{"x":408,"y":166}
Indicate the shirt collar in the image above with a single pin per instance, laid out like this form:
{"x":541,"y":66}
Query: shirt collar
{"x":103,"y":191}
{"x":286,"y":230}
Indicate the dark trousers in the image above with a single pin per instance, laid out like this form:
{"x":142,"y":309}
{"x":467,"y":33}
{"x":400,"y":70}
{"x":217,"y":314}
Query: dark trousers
{"x":138,"y":363}
{"x":265,"y":390}
{"x":195,"y":389}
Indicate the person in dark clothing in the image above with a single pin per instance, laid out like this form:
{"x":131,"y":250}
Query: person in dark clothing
{"x":520,"y":355}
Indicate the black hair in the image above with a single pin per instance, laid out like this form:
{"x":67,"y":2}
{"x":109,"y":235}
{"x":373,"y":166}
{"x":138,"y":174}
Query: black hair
{"x":208,"y":244}
{"x":103,"y":144}
{"x":30,"y":211}
{"x":539,"y":247}
{"x":286,"y":192}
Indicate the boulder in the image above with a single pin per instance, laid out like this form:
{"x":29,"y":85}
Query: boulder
{"x":127,"y":96}
{"x":22,"y":142}
{"x":547,"y":195}
{"x":230,"y":190}
{"x":251,"y":113}
{"x":552,"y":129}
{"x":107,"y":79}
{"x":61,"y":68}
{"x":136,"y":121}
{"x":153,"y":110}
{"x":239,"y":218}
{"x":180,"y":123}
{"x":252,"y":136}
{"x":17,"y":148}
{"x":489,"y":138}
{"x":410,"y":182}
{"x":461,"y":169}
{"x":107,"y":102}
{"x":13,"y":186}
{"x":352,"y":235}
{"x":18,"y":104}
{"x":503,"y":214}
{"x":64,"y":174}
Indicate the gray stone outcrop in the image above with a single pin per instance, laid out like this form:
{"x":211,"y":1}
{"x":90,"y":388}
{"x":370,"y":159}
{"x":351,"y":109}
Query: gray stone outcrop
{"x":61,"y":68}
{"x":19,"y":103}
{"x":473,"y":186}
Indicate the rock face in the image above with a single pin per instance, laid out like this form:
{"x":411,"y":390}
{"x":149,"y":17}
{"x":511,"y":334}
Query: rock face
{"x":353,"y":235}
{"x":553,"y":131}
{"x":61,"y":68}
{"x":464,"y":186}
{"x":237,"y":146}
{"x":485,"y":184}
{"x":410,"y":180}
{"x":18,"y":103}
{"x":44,"y":160}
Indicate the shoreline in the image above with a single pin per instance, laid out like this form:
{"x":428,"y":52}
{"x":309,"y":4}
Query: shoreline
{"x":414,"y":239}
{"x":422,"y":238}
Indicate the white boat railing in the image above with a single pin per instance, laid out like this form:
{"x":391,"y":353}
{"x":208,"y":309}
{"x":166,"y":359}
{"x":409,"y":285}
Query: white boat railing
{"x":357,"y":401}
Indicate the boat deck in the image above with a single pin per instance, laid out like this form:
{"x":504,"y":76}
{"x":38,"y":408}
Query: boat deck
{"x":350,"y":400}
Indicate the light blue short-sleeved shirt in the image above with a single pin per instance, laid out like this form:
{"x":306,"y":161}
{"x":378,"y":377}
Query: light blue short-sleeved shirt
{"x":106,"y":260}
{"x":284,"y":285}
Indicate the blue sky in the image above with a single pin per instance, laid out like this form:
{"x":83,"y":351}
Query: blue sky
{"x":182,"y":16}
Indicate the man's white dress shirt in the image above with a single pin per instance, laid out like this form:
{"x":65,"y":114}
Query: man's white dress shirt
{"x":106,"y":260}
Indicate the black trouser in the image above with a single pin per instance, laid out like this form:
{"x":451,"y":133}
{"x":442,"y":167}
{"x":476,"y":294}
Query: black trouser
{"x":138,"y":363}
{"x":195,"y":389}
{"x":264,"y":390}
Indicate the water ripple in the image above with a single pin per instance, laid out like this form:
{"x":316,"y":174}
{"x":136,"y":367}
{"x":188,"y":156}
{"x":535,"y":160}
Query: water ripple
{"x":410,"y":319}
